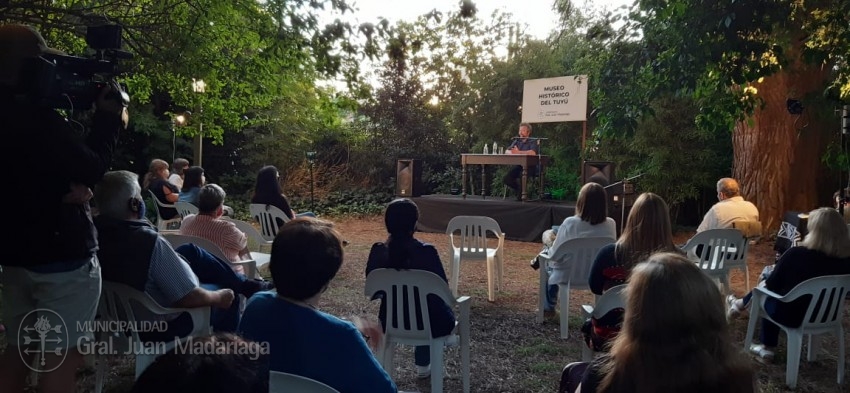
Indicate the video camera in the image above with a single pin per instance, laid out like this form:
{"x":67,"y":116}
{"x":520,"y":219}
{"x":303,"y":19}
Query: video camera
{"x":72,"y":82}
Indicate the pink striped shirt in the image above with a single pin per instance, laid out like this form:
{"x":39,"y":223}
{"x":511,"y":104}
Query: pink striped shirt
{"x":221,"y":232}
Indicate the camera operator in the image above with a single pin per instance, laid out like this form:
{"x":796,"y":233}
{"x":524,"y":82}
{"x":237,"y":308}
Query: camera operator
{"x":52,"y":165}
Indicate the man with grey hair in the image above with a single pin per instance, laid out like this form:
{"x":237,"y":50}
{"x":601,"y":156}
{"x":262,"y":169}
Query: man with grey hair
{"x":209,"y":225}
{"x":133,"y":253}
{"x":52,"y":274}
{"x":730,"y":208}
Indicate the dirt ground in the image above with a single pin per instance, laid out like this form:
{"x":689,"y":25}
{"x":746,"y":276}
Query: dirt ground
{"x":510,"y":351}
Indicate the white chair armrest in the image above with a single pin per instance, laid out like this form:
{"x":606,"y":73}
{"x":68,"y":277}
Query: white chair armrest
{"x":761,"y":292}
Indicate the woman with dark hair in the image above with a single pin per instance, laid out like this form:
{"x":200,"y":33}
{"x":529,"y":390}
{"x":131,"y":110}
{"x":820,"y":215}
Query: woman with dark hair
{"x":267,"y":191}
{"x":675,"y":337}
{"x":156,"y":180}
{"x":590,"y":220}
{"x":306,"y":255}
{"x":193,"y":180}
{"x":403,"y":251}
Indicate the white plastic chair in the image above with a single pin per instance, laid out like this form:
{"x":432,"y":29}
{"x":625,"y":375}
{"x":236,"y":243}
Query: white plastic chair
{"x":267,"y":216}
{"x":406,"y":291}
{"x":280,"y":382}
{"x":249,"y":266}
{"x":824,"y":315}
{"x":161,"y":223}
{"x":571,"y":262}
{"x":254,"y":235}
{"x":185,"y":208}
{"x":115,"y":305}
{"x":610,"y":300}
{"x":722,"y":249}
{"x":473,"y":245}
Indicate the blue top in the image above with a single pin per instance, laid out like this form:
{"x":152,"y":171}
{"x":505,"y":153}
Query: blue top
{"x":525,"y":144}
{"x":313,"y":344}
{"x":190,"y":195}
{"x":421,"y":256}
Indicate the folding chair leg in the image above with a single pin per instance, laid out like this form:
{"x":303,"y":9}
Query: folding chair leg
{"x":792,"y":367}
{"x":436,"y":368}
{"x":564,"y":300}
{"x":814,"y":347}
{"x":491,"y":280}
{"x":841,"y":359}
{"x":455,"y":276}
{"x":541,"y":293}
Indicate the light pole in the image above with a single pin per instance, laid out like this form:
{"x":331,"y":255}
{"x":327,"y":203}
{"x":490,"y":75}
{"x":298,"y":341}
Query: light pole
{"x":178,"y":120}
{"x":199,"y":87}
{"x":311,"y":158}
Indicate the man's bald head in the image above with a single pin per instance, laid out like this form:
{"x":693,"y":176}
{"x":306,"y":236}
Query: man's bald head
{"x":728,"y":188}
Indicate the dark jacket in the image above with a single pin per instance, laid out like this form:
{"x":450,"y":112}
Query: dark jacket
{"x":125,"y":251}
{"x":43,"y":155}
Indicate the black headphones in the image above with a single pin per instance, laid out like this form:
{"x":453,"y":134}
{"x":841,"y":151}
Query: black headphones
{"x":135,"y":205}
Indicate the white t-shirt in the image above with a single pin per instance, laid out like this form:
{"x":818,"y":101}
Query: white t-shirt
{"x":574,"y":227}
{"x":176,"y":180}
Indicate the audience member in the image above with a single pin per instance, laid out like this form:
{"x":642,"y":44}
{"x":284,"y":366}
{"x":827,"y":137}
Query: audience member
{"x":825,"y":251}
{"x":178,"y":176}
{"x":520,"y":145}
{"x":193,"y":180}
{"x":268,"y":191}
{"x":156,"y":180}
{"x":219,"y":363}
{"x":730,"y":208}
{"x":133,"y":253}
{"x":208,"y":224}
{"x":648,"y":230}
{"x":590,"y":220}
{"x":674,"y":337}
{"x":52,"y":244}
{"x":306,"y":255}
{"x":403,"y":251}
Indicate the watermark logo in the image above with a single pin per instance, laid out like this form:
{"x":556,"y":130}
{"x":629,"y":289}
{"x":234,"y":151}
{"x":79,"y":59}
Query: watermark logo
{"x":47,"y":336}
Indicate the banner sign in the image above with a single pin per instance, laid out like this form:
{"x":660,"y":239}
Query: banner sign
{"x":555,"y":99}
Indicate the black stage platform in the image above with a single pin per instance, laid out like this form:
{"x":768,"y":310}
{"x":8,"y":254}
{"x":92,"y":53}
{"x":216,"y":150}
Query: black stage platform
{"x":523,"y":221}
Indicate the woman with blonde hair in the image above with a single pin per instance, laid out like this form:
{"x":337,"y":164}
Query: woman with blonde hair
{"x":675,"y":337}
{"x":156,"y":180}
{"x":824,"y":252}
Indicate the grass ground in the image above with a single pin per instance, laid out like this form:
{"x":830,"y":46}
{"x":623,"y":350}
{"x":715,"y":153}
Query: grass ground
{"x":510,"y":351}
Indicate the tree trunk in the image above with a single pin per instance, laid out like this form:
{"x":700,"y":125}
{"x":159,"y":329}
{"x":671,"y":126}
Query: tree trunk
{"x":776,"y":154}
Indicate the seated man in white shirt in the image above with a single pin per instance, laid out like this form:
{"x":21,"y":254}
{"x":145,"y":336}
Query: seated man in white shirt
{"x":730,"y":208}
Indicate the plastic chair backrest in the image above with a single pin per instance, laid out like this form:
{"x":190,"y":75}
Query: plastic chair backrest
{"x":405,"y":292}
{"x":718,"y":246}
{"x":280,"y":382}
{"x":472,"y":242}
{"x":178,"y":240}
{"x":826,"y":307}
{"x":573,"y":259}
{"x":267,"y":216}
{"x":185,"y":208}
{"x":249,"y":230}
{"x":612,"y":299}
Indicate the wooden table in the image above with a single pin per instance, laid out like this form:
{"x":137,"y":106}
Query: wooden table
{"x":522,"y":160}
